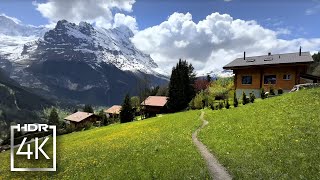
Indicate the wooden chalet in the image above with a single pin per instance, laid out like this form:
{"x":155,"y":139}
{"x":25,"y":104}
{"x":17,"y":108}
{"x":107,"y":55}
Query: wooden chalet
{"x":113,"y":111}
{"x":154,"y":105}
{"x":277,"y":70}
{"x":80,"y":118}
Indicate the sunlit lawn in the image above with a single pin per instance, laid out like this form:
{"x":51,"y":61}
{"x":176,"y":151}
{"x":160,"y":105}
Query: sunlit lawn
{"x":276,"y":138}
{"x":156,"y":148}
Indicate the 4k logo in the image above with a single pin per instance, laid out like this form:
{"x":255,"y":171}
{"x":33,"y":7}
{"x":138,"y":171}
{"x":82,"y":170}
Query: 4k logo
{"x":37,"y":150}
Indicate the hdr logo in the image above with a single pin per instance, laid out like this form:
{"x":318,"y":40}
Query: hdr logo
{"x":33,"y":149}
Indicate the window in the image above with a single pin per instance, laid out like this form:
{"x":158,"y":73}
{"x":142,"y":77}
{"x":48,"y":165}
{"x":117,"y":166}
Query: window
{"x":270,"y":79}
{"x":287,"y":77}
{"x":246,"y":79}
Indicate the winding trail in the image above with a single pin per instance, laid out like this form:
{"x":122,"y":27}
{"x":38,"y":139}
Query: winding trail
{"x":216,"y":170}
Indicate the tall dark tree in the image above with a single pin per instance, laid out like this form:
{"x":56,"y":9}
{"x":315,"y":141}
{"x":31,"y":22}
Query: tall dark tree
{"x":88,"y":108}
{"x":54,"y":117}
{"x":316,"y":57}
{"x":103,"y":116}
{"x":314,"y":67}
{"x":126,"y":112}
{"x":181,"y":86}
{"x":208,"y":78}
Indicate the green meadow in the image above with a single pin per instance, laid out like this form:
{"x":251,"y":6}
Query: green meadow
{"x":157,"y":148}
{"x":275,"y":138}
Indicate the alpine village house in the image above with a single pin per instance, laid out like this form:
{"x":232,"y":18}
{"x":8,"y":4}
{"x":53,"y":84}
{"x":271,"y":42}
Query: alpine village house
{"x":282,"y":71}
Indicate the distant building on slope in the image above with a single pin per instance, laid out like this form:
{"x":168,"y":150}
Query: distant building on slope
{"x":154,"y":105}
{"x":113,"y":111}
{"x":80,"y":118}
{"x":277,"y":70}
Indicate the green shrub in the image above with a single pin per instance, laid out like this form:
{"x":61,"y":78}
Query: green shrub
{"x":54,"y":117}
{"x":200,"y":100}
{"x":235,"y":100}
{"x":87,"y":125}
{"x":103,"y":117}
{"x":191,"y":104}
{"x":272,"y":90}
{"x":211,"y":106}
{"x":227,"y":104}
{"x":244,"y":98}
{"x":220,"y":105}
{"x":262,"y":93}
{"x":252,"y":97}
{"x":70,"y":128}
{"x":280,"y":91}
{"x":220,"y":88}
{"x":88,"y":108}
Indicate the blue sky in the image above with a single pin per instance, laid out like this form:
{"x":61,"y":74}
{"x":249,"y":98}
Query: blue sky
{"x":190,"y":29}
{"x":270,"y":14}
{"x":291,"y":15}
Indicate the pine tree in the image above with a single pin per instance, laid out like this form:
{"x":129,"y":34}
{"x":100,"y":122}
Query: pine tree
{"x":208,"y":78}
{"x":103,"y":116}
{"x":227,"y":104}
{"x":252,"y":97}
{"x":262,"y":93}
{"x":244,"y":98}
{"x":181,"y":90}
{"x":235,"y":100}
{"x":126,"y":112}
{"x":54,"y":117}
{"x":88,"y":108}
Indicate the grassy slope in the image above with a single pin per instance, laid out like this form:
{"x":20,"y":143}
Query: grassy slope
{"x":158,"y":148}
{"x":277,"y":138}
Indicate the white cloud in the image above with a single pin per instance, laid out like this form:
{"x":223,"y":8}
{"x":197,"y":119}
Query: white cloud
{"x":313,"y":10}
{"x":213,"y":42}
{"x":92,"y":11}
{"x":284,"y":31}
{"x":12,"y":18}
{"x":129,"y":21}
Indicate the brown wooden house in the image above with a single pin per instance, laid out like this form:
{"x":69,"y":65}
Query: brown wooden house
{"x":277,"y":70}
{"x":154,"y":105}
{"x":113,"y":111}
{"x":80,"y":118}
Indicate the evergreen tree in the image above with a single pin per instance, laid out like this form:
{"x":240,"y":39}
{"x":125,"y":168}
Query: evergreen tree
{"x":244,"y":98}
{"x":227,"y":104}
{"x":208,"y":78}
{"x":54,"y":117}
{"x":262,"y":93}
{"x":126,"y":112}
{"x":88,"y":108}
{"x":235,"y":100}
{"x":135,"y":103}
{"x":103,"y":116}
{"x":181,"y":89}
{"x":252,"y":97}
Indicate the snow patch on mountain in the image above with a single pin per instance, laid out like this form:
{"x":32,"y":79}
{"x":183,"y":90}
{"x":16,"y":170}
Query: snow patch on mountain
{"x":20,"y":43}
{"x":12,"y":27}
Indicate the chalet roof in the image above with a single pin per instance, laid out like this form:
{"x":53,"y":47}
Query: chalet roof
{"x":115,"y":109}
{"x":78,"y":116}
{"x":270,"y":60}
{"x":159,"y":101}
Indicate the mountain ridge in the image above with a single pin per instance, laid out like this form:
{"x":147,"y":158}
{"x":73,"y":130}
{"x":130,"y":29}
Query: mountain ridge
{"x":79,"y":63}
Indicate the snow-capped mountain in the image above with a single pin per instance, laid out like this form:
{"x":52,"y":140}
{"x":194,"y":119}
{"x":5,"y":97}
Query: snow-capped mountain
{"x":11,"y":28}
{"x":76,"y":62}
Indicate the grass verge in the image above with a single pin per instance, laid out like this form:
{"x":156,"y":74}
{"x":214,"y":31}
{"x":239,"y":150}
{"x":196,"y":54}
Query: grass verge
{"x":157,"y":148}
{"x":276,"y":138}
